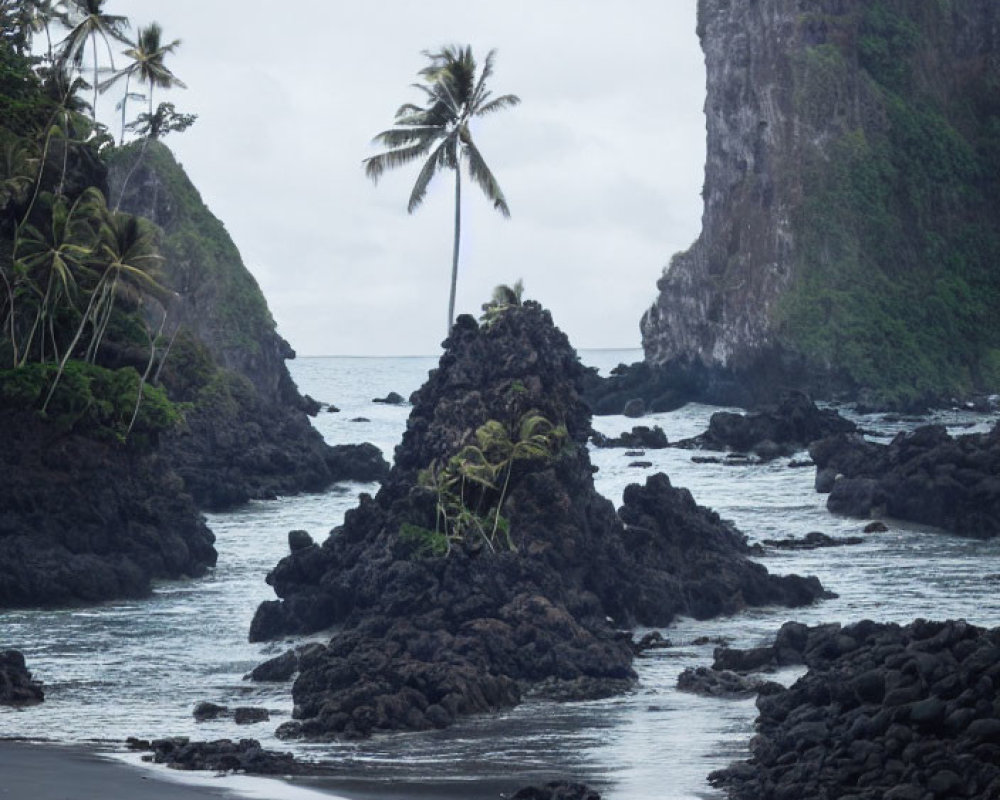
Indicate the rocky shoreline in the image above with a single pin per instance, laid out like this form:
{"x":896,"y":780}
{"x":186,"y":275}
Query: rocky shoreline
{"x":885,"y":711}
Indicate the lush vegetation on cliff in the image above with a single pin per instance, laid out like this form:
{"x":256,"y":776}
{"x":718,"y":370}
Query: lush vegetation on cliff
{"x":82,"y":308}
{"x":898,"y":243}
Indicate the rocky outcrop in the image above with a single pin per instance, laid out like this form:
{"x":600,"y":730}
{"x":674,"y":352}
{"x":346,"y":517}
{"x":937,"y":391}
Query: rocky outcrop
{"x":247,"y":435}
{"x":556,"y":790}
{"x":83,"y":519}
{"x":640,"y":436}
{"x":884,"y":712}
{"x":926,"y":476}
{"x":723,"y":683}
{"x":16,"y":685}
{"x":846,"y":144}
{"x":222,"y":755}
{"x":487,"y":566}
{"x":778,"y":431}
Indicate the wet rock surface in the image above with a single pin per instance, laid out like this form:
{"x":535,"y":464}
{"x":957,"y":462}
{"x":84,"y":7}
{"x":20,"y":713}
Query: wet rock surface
{"x":222,"y":755}
{"x":926,"y":476}
{"x":723,"y":683}
{"x":771,"y":433}
{"x":813,"y":540}
{"x":884,"y":711}
{"x":436,"y":626}
{"x":17,"y":688}
{"x":87,"y":520}
{"x":640,"y":436}
{"x":556,"y":790}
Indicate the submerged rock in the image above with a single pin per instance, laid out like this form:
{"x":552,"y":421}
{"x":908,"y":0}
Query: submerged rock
{"x":17,"y":688}
{"x":812,"y":541}
{"x":487,"y":566}
{"x":640,"y":436}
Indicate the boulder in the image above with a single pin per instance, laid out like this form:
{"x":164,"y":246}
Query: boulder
{"x":17,"y":688}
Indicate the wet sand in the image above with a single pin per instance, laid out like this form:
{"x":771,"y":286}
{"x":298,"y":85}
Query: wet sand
{"x":34,"y":771}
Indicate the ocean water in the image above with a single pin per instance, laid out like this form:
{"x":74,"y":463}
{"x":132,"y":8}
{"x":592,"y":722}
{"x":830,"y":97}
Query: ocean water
{"x":138,"y":668}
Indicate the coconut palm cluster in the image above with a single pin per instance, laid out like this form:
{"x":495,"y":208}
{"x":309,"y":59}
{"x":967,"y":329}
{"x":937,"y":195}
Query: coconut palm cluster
{"x":75,"y":273}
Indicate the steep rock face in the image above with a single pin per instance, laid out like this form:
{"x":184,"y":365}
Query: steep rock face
{"x":487,"y":565}
{"x":83,"y":519}
{"x":247,"y":435}
{"x":851,"y":168}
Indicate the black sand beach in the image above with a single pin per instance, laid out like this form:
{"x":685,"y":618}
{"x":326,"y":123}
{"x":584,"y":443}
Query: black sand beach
{"x":33,"y":771}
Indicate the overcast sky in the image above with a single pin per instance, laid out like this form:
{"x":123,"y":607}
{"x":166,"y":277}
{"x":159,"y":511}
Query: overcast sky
{"x":601,"y":164}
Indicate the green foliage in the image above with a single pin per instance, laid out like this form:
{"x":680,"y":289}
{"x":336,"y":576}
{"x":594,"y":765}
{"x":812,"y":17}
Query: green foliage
{"x":897,"y":241}
{"x":423,"y":542}
{"x":887,"y":41}
{"x":165,"y":119}
{"x":472,"y":485}
{"x":199,"y":256}
{"x":503,"y":298}
{"x":90,"y":400}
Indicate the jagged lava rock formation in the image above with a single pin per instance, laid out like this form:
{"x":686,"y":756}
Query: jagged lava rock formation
{"x":849,"y":235}
{"x":432,"y":627}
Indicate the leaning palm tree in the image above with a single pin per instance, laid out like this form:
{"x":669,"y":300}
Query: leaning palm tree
{"x":440,"y":131}
{"x":148,"y":55}
{"x":88,"y":21}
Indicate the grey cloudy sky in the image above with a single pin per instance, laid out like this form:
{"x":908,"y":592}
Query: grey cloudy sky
{"x":602,"y":163}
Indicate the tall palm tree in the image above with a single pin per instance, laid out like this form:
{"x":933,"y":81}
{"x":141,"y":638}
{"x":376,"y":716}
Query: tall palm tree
{"x":440,"y":131}
{"x":38,"y":15}
{"x":148,"y":55}
{"x":88,"y":21}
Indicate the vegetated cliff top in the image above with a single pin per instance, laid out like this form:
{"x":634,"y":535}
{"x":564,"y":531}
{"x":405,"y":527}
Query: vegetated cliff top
{"x":221,"y":302}
{"x":852,"y":189}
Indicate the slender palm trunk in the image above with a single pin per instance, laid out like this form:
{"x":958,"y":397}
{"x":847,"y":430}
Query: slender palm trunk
{"x":93,"y":44}
{"x":454,"y":254}
{"x":121,"y":140}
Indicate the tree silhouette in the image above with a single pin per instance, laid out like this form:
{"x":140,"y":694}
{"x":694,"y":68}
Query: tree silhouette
{"x":440,"y":131}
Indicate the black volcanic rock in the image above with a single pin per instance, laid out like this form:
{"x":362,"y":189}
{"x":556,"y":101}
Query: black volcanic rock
{"x":777,"y":431}
{"x":87,"y":520}
{"x":884,"y":711}
{"x":16,"y":685}
{"x":640,"y":436}
{"x":925,"y":476}
{"x":222,"y":755}
{"x":433,"y":628}
{"x":556,"y":790}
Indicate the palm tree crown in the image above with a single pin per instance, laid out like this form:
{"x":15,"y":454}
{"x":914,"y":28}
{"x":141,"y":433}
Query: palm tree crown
{"x":440,"y":131}
{"x":148,"y":55}
{"x":89,"y":21}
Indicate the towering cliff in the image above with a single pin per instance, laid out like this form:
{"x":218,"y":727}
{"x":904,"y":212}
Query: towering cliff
{"x":852,"y":190}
